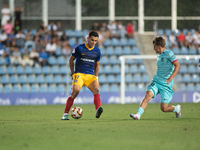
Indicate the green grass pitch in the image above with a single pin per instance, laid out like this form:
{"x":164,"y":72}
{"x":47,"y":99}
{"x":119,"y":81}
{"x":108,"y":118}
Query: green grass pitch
{"x":41,"y":128}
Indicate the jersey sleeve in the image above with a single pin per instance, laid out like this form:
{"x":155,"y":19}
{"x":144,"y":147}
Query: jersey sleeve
{"x":75,"y":52}
{"x":172,"y":58}
{"x":98,"y":58}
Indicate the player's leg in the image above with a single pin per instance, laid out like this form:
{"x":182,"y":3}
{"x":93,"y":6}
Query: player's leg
{"x":94,"y":88}
{"x":143,"y":105}
{"x":77,"y":84}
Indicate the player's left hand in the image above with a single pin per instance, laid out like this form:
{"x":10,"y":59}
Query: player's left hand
{"x":169,"y":81}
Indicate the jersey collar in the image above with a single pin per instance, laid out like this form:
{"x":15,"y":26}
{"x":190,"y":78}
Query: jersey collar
{"x":88,"y":47}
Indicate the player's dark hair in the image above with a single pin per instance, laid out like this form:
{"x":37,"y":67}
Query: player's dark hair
{"x":159,"y":41}
{"x":93,"y":33}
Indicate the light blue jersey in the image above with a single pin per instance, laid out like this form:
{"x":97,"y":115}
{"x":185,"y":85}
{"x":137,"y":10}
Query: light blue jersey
{"x":165,"y":68}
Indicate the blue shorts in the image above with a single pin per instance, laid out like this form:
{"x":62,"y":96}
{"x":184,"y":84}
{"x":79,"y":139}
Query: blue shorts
{"x":164,"y":89}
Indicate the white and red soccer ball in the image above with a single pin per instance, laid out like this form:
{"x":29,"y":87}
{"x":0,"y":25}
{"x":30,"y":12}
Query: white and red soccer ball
{"x":76,"y":112}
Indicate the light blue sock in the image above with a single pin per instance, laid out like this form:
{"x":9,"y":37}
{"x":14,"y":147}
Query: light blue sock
{"x":175,"y":109}
{"x":140,"y":111}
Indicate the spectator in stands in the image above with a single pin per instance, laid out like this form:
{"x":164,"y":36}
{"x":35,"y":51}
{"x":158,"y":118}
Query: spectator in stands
{"x":66,"y":49}
{"x":43,"y":57}
{"x":30,"y":43}
{"x":20,"y":39}
{"x":196,"y":38}
{"x":181,"y":39}
{"x":172,"y":40}
{"x":130,"y":30}
{"x":95,"y":26}
{"x":3,"y":37}
{"x":39,"y":45}
{"x":11,"y":37}
{"x":52,"y":29}
{"x":46,"y":38}
{"x":17,"y":27}
{"x":189,"y":40}
{"x":60,"y":30}
{"x":8,"y":27}
{"x":34,"y":55}
{"x":18,"y":12}
{"x":5,"y":12}
{"x":16,"y":57}
{"x":112,"y":26}
{"x":104,"y":30}
{"x":6,"y":57}
{"x":51,"y":47}
{"x":42,"y":27}
{"x":100,"y":40}
{"x":26,"y":59}
{"x":121,"y":29}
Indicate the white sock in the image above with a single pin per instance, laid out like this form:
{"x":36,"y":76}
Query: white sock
{"x":65,"y":113}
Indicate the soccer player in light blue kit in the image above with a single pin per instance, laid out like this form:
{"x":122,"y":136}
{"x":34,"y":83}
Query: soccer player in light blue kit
{"x":167,"y":68}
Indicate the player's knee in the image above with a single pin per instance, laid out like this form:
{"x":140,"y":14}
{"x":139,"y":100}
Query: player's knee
{"x":96,"y":90}
{"x":164,"y":109}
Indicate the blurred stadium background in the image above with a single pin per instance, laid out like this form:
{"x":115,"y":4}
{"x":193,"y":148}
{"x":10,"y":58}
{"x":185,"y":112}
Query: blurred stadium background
{"x":50,"y":83}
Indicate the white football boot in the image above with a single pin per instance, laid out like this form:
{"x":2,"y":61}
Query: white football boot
{"x":135,"y":116}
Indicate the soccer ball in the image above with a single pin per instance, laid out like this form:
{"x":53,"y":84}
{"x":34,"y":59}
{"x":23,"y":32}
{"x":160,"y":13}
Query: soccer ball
{"x":76,"y":112}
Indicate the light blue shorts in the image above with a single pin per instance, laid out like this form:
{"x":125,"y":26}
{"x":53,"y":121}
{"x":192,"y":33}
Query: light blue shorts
{"x":164,"y":89}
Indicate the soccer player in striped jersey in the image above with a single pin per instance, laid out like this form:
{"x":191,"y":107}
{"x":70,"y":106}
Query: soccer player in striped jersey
{"x":167,"y":67}
{"x":86,"y":71}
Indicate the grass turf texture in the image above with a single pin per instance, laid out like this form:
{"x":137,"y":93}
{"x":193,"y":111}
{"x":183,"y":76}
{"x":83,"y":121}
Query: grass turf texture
{"x":41,"y":127}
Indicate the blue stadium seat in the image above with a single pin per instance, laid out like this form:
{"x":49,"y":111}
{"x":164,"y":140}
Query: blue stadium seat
{"x":3,"y":70}
{"x":102,"y":78}
{"x":19,"y":70}
{"x":52,"y":88}
{"x":7,"y":88}
{"x":114,"y":42}
{"x":67,"y":79}
{"x":137,"y":78}
{"x":107,"y":69}
{"x":127,"y":69}
{"x":185,"y":31}
{"x":177,"y":32}
{"x":138,"y":61}
{"x":168,"y":32}
{"x":114,"y":88}
{"x":195,"y":78}
{"x":22,"y":79}
{"x":127,"y":50}
{"x":34,"y":88}
{"x":110,"y":50}
{"x":118,"y":50}
{"x":128,"y":78}
{"x":46,"y":70}
{"x":192,"y":31}
{"x":11,"y":70}
{"x":107,"y":42}
{"x":49,"y":79}
{"x":64,"y":70}
{"x":5,"y":79}
{"x":133,"y":69}
{"x":116,"y":69}
{"x":1,"y":88}
{"x":61,"y":60}
{"x":33,"y":31}
{"x":114,"y":60}
{"x":197,"y":87}
{"x":188,"y":61}
{"x":198,"y":70}
{"x":105,"y":88}
{"x":186,"y":78}
{"x":131,"y":42}
{"x":72,"y":42}
{"x":40,"y":79}
{"x":52,"y":60}
{"x":78,"y":34}
{"x":123,"y":42}
{"x":176,"y":50}
{"x":118,"y":78}
{"x":25,"y":88}
{"x":145,"y":78}
{"x":182,"y":87}
{"x":61,"y":88}
{"x":142,"y":69}
{"x":37,"y":70}
{"x":43,"y":88}
{"x":69,"y":33}
{"x":183,"y":69}
{"x":2,"y":61}
{"x":180,"y":60}
{"x":192,"y":69}
{"x":140,"y":87}
{"x":55,"y":70}
{"x":131,"y":87}
{"x":103,"y":51}
{"x":28,"y":70}
{"x":14,"y":79}
{"x":58,"y":51}
{"x":111,"y":79}
{"x":31,"y":79}
{"x":192,"y":51}
{"x":129,"y":61}
{"x":16,"y":88}
{"x":190,"y":87}
{"x":135,"y":51}
{"x":179,"y":78}
{"x":195,"y":60}
{"x":58,"y":79}
{"x":184,"y":51}
{"x":101,"y":70}
{"x":85,"y":32}
{"x":104,"y":60}
{"x":160,"y":32}
{"x":80,"y":40}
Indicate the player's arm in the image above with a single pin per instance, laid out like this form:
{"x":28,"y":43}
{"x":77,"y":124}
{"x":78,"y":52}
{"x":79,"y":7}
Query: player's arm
{"x":71,"y":64}
{"x":176,"y":69}
{"x":96,"y":69}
